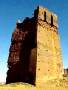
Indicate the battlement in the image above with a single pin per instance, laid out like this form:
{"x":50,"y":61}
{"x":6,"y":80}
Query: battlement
{"x":45,"y":15}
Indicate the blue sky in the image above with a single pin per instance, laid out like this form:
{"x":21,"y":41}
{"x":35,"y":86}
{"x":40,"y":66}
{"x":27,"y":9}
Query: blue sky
{"x":12,"y":10}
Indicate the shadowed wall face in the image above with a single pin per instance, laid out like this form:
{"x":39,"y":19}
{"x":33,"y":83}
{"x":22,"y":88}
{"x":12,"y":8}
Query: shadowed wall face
{"x":22,"y":53}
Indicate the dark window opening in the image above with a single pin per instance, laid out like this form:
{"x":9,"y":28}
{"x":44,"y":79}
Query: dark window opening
{"x":51,"y":20}
{"x":45,"y":16}
{"x":36,"y":13}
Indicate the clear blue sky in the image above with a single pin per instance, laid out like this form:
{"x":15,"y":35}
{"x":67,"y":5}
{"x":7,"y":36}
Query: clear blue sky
{"x":12,"y":10}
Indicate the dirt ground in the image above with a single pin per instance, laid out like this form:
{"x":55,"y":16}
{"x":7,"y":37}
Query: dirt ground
{"x":61,"y":84}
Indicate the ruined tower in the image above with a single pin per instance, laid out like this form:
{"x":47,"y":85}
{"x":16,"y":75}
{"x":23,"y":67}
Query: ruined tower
{"x":35,"y":52}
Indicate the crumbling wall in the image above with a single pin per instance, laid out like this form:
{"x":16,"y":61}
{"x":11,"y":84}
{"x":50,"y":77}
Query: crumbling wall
{"x":22,"y":43}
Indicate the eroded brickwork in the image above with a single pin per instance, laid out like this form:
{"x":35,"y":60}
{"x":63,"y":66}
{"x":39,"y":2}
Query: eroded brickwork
{"x":22,"y":43}
{"x":35,"y":52}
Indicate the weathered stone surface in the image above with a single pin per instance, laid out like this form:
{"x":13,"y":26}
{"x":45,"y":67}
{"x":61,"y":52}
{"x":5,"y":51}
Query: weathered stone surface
{"x":35,"y":52}
{"x":22,"y":42}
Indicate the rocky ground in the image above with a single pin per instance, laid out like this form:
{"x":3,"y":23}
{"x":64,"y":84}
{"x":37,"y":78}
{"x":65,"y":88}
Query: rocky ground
{"x":60,"y":84}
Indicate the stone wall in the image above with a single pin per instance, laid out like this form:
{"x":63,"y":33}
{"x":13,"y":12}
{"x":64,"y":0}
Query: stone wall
{"x":49,"y":59}
{"x":22,"y":43}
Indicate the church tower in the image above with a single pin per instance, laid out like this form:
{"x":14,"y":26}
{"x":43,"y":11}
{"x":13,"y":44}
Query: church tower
{"x":35,"y":52}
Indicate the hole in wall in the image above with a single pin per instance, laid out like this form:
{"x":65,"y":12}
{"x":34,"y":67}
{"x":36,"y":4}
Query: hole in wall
{"x":51,"y":20}
{"x":45,"y":16}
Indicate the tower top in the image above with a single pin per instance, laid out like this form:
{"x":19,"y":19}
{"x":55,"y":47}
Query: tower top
{"x":44,"y":14}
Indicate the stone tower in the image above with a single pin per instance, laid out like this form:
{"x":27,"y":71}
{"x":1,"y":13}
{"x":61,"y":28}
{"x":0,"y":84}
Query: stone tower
{"x":35,"y":52}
